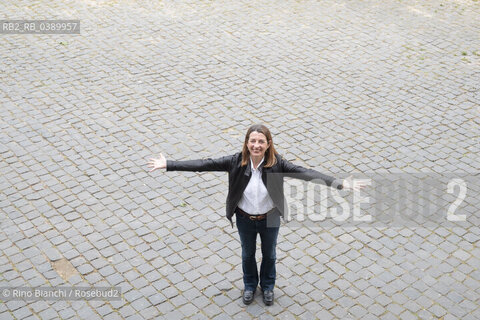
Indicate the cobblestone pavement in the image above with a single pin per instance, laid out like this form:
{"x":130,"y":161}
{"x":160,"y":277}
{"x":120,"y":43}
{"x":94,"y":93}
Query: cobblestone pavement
{"x":385,"y":87}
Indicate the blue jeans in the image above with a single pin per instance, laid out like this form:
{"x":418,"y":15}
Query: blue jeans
{"x":248,"y":230}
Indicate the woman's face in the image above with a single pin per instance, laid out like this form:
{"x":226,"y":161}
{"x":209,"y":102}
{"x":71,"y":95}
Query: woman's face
{"x":257,"y":144}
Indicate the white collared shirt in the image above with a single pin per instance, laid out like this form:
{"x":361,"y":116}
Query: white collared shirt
{"x":255,"y":199}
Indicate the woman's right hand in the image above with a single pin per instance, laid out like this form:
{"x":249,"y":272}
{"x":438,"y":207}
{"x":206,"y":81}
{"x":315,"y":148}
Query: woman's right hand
{"x":157,"y":163}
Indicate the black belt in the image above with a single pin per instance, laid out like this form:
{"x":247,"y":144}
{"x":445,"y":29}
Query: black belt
{"x":254,"y":217}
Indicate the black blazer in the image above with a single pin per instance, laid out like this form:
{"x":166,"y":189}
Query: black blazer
{"x":239,"y":176}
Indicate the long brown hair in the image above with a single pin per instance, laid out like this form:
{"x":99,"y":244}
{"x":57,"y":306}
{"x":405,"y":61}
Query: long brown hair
{"x":270,"y":153}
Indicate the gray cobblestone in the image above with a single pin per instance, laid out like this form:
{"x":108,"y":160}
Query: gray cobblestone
{"x":342,"y":91}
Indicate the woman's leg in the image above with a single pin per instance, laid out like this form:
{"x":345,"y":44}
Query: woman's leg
{"x":248,"y":239}
{"x":268,"y":273}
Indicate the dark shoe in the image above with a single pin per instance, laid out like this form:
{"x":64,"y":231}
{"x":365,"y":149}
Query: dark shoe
{"x":268,"y":297}
{"x":248,"y":296}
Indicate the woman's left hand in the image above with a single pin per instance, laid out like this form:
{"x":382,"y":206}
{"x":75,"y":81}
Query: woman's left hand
{"x":355,"y":185}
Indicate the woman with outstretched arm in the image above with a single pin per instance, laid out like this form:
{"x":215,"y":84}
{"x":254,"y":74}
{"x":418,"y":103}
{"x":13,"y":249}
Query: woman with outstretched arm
{"x":258,"y":204}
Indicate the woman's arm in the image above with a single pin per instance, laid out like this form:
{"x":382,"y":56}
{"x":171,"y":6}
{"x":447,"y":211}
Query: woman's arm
{"x":295,"y":171}
{"x":299,"y":172}
{"x":218,"y":164}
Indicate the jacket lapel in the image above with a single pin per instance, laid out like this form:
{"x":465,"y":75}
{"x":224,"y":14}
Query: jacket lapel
{"x":248,"y":170}
{"x":265,"y":171}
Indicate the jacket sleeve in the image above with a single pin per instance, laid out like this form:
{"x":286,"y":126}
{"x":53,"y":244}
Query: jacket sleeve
{"x":294,"y":171}
{"x":217,"y":164}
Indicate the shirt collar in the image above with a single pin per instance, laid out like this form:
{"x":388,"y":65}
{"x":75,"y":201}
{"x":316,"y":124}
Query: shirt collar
{"x":258,"y":167}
